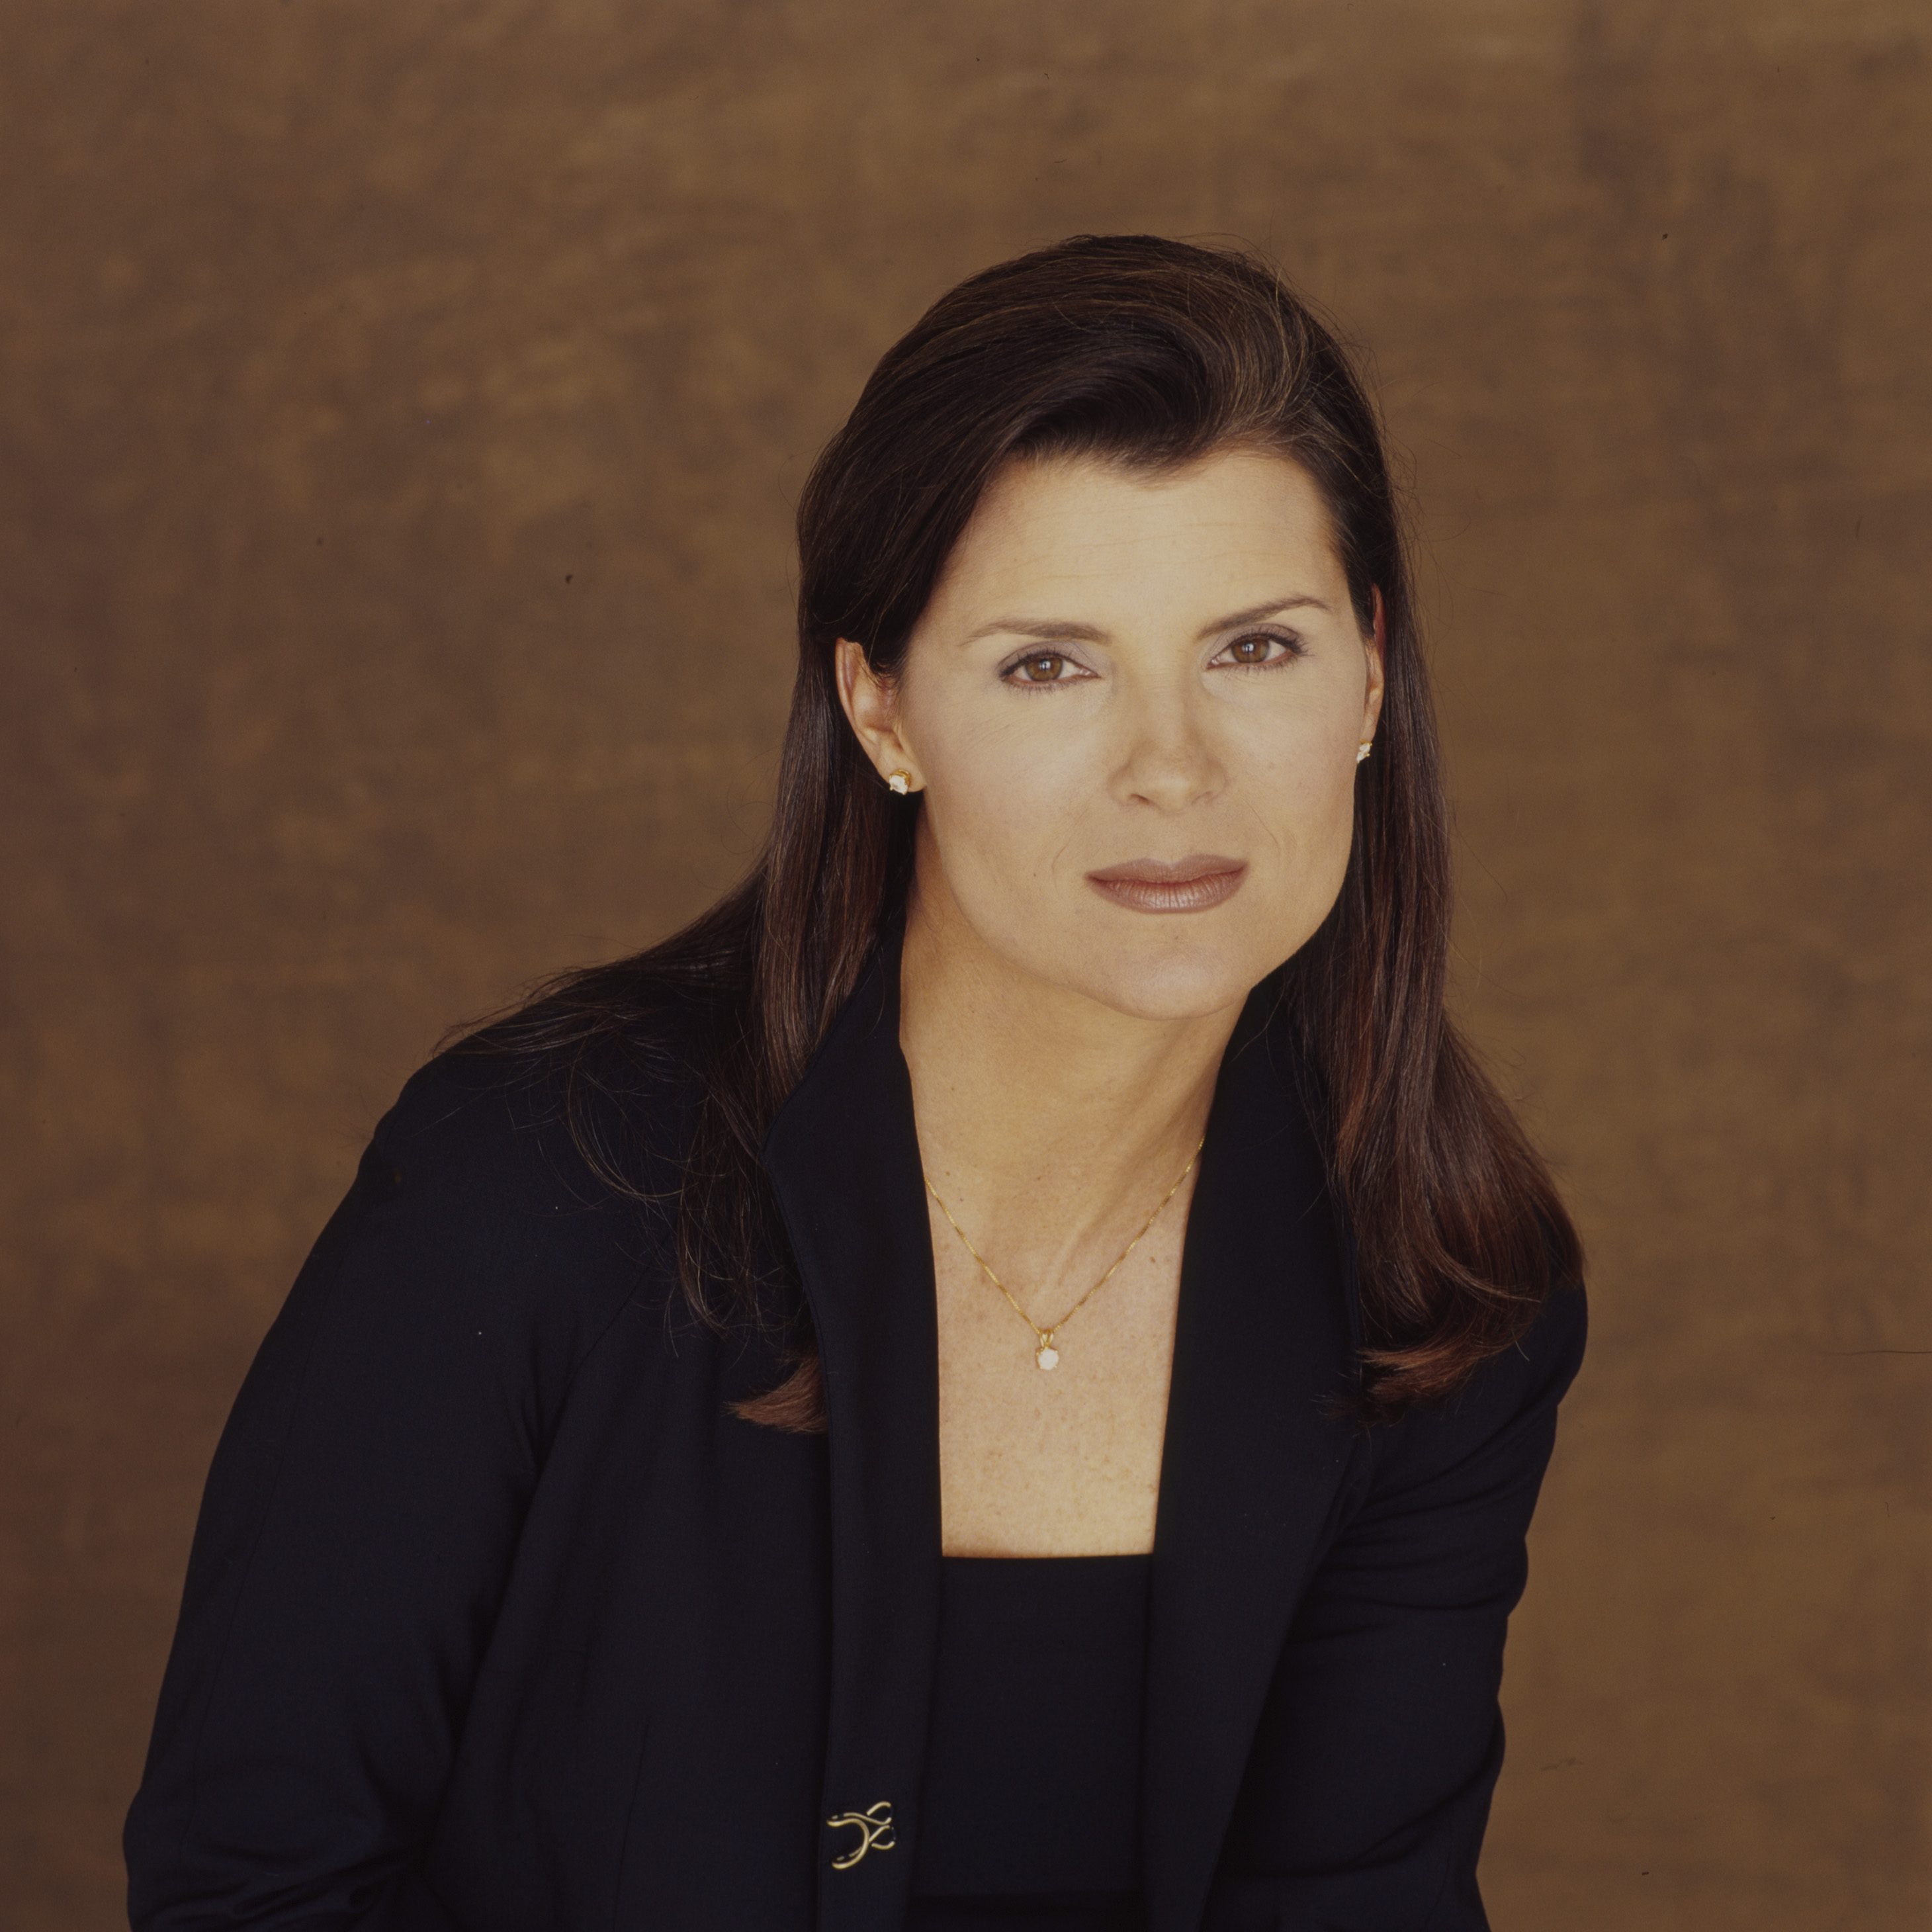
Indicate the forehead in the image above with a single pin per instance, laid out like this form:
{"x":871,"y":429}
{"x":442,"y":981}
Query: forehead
{"x":1225,"y":532}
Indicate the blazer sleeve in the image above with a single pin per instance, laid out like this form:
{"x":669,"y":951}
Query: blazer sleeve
{"x":1369,"y":1783}
{"x":357,"y":1529}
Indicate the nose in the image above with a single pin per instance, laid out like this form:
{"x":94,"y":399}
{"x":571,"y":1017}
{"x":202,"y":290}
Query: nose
{"x":1168,"y":761}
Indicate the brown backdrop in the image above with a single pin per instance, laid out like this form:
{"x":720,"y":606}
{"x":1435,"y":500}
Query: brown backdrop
{"x":404,"y":404}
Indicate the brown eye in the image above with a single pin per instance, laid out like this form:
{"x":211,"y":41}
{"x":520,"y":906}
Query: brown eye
{"x":1043,"y":668}
{"x":1251,"y":650}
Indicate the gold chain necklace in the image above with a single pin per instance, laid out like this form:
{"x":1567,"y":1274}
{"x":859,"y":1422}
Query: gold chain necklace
{"x":1046,"y":1354}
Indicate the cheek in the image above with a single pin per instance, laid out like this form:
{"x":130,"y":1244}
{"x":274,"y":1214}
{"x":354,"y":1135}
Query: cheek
{"x":1299,"y":784}
{"x":1005,"y":794}
{"x":1332,"y":818}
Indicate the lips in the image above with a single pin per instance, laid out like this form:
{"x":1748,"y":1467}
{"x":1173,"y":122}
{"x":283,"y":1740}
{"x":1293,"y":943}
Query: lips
{"x":1193,"y":884}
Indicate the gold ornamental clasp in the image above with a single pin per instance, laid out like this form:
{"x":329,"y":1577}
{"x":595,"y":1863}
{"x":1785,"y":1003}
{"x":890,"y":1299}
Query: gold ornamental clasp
{"x":875,"y":1831}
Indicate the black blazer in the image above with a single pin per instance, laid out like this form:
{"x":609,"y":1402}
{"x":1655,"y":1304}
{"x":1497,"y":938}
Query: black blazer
{"x":497,"y":1620}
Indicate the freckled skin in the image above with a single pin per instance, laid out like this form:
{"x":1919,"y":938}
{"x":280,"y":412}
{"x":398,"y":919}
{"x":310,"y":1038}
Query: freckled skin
{"x":1113,"y":669}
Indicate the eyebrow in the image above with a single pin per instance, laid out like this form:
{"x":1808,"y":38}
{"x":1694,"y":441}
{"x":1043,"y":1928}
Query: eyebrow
{"x":1047,"y":629}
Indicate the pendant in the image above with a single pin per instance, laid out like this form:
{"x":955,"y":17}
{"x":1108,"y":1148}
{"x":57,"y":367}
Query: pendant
{"x":1047,"y":1356}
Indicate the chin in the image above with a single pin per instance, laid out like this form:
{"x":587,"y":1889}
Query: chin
{"x":1189,"y":984}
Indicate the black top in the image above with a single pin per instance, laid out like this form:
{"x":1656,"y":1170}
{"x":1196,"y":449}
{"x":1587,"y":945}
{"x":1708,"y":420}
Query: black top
{"x":499,"y":1619}
{"x":1030,"y":1807}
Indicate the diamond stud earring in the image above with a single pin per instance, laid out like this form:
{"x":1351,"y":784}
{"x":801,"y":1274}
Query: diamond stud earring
{"x":901,"y":782}
{"x":1363,"y":750}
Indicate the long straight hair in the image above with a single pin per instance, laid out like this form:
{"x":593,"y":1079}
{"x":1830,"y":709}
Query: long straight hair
{"x":1150,"y":354}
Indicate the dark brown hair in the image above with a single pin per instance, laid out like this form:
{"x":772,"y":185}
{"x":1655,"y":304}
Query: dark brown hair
{"x":1149,"y":353}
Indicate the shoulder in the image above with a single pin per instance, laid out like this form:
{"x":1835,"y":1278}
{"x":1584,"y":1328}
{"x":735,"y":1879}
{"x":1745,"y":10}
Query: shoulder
{"x":1535,"y":1372}
{"x":1502,"y":1420}
{"x":1442,"y":1500}
{"x":535,"y":1122}
{"x":515,"y":1200}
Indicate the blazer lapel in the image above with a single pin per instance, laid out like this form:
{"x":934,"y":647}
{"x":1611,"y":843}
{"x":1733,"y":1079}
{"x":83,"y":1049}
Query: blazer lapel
{"x":1252,"y":1463}
{"x":843,"y":1154}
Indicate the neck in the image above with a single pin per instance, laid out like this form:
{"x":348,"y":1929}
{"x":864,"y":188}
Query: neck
{"x":1045,"y":1118}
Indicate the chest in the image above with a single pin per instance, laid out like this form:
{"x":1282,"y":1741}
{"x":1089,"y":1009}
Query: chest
{"x":1061,"y":1461}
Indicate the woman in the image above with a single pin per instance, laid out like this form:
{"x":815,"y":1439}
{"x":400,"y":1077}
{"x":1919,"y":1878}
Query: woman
{"x":1000,"y":1376}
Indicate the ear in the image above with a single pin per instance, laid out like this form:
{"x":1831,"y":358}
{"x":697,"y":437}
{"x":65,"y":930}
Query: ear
{"x":1373,"y":647}
{"x":871,"y":705}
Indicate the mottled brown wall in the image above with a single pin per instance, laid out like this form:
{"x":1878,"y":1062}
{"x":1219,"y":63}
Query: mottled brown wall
{"x":403,"y":405}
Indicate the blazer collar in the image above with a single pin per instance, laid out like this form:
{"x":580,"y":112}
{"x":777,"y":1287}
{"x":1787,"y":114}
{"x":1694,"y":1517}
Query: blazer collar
{"x":1254,"y":1457}
{"x":843,"y":1155}
{"x":1251,"y":1466}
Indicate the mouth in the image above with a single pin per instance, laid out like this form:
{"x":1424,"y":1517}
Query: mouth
{"x":1193,"y":884}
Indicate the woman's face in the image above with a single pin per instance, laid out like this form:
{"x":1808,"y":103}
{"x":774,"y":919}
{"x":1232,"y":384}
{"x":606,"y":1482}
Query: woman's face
{"x":1133,"y":705}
